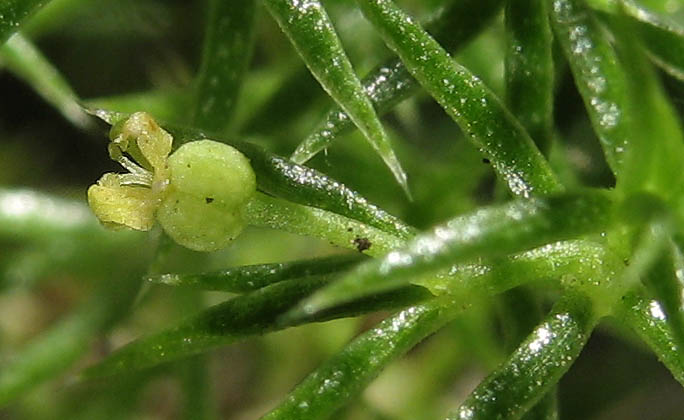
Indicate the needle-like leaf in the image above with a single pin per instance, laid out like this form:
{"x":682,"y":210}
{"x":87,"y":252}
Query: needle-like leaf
{"x":308,"y":26}
{"x":479,"y":112}
{"x":23,"y":59}
{"x":252,"y":277}
{"x":489,"y":232}
{"x":251,"y":314}
{"x":598,"y":75}
{"x":535,"y":366}
{"x":390,"y":82}
{"x":341,"y":378}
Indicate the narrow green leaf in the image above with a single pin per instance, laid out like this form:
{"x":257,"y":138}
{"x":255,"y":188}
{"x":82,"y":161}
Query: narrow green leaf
{"x":14,"y":12}
{"x":576,"y":263}
{"x":341,"y":378}
{"x":529,"y":68}
{"x":252,"y":277}
{"x":58,"y":348}
{"x":390,"y":82}
{"x":280,"y":177}
{"x":647,"y":318}
{"x":251,"y":314}
{"x":265,"y":211}
{"x":535,"y":366}
{"x":488,"y":232}
{"x":649,"y":165}
{"x":663,"y":38}
{"x":309,"y":28}
{"x":228,"y":46}
{"x":479,"y":112}
{"x":23,"y":59}
{"x":666,"y":284}
{"x":598,"y":76}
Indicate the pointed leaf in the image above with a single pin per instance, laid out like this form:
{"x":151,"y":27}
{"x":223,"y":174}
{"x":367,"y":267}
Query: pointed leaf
{"x":341,"y":378}
{"x":228,"y":46}
{"x":598,"y":75}
{"x":489,"y":232}
{"x":23,"y":59}
{"x":307,"y":25}
{"x":535,"y":366}
{"x":14,"y":12}
{"x":663,"y":38}
{"x":265,"y":211}
{"x":649,"y":165}
{"x":390,"y":82}
{"x":647,"y":318}
{"x":477,"y":110}
{"x":666,"y":284}
{"x":243,"y":316}
{"x":252,"y":277}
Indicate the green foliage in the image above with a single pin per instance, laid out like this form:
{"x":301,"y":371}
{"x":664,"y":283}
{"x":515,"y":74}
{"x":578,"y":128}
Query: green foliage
{"x":541,"y":140}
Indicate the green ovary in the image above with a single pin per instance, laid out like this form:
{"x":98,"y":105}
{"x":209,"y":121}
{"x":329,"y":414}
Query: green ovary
{"x":210,"y":185}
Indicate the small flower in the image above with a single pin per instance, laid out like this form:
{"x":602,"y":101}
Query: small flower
{"x":199,"y":194}
{"x":131,"y":199}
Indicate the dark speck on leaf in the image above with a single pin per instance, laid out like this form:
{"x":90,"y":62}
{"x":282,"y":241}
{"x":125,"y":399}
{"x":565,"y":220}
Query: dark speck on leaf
{"x":485,"y":160}
{"x":209,"y":200}
{"x":362,"y":244}
{"x":349,"y":229}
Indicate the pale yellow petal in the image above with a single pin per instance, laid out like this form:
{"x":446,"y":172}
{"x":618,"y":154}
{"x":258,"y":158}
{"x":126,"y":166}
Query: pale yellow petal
{"x":154,"y":143}
{"x":118,"y":206}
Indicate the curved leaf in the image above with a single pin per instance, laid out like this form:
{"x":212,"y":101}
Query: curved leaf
{"x":476,"y":109}
{"x":307,"y":25}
